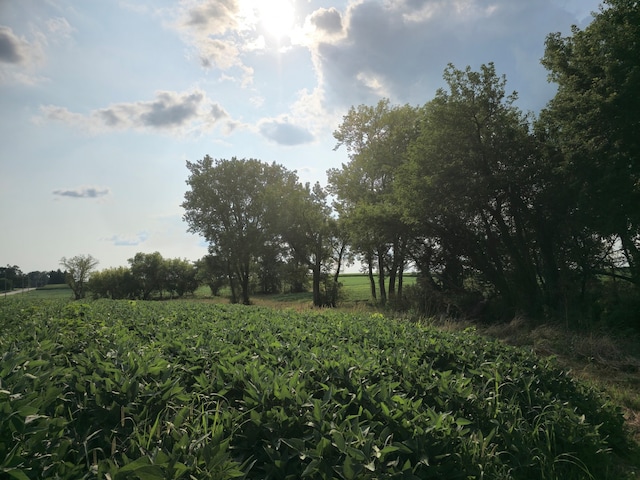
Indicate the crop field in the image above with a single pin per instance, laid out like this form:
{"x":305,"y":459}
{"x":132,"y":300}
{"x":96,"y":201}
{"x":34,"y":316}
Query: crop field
{"x":161,"y":390}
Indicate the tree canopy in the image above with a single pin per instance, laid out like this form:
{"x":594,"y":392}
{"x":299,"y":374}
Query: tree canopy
{"x":246,"y":209}
{"x":78,"y":269}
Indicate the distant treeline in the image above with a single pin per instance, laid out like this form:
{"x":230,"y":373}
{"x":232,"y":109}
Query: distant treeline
{"x":12,"y":277}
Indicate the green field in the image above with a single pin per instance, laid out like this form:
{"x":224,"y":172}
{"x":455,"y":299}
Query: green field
{"x":189,"y":389}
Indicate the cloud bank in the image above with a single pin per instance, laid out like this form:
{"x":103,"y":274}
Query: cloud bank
{"x":399,"y":49}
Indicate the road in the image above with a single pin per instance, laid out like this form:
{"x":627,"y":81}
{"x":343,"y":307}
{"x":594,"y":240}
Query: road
{"x":13,"y":292}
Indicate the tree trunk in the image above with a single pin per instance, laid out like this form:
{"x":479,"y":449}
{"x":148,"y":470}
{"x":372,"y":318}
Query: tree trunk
{"x":244,"y":284}
{"x":339,"y":266}
{"x":317,"y":300}
{"x":372,"y":280}
{"x":632,"y":254}
{"x":381,"y":279}
{"x":393,"y":272}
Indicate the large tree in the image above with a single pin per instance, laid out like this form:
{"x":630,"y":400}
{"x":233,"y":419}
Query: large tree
{"x":234,"y":204}
{"x":472,"y":189}
{"x":376,"y":139}
{"x":309,"y":230}
{"x":149,"y":271}
{"x":79,"y":270}
{"x":594,"y":123}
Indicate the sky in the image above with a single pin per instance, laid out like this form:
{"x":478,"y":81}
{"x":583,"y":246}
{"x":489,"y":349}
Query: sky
{"x":102,"y":102}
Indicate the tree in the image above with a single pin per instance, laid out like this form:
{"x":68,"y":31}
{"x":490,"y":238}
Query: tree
{"x":37,"y":278}
{"x":269,"y":268}
{"x":474,"y":187}
{"x":309,"y":230}
{"x":212,"y":271}
{"x":593,"y":121}
{"x":149,"y":273}
{"x":180,"y":277}
{"x":113,"y":283}
{"x":234,"y":204}
{"x":79,"y":270}
{"x":10,"y":277}
{"x":376,"y":139}
{"x":57,"y":277}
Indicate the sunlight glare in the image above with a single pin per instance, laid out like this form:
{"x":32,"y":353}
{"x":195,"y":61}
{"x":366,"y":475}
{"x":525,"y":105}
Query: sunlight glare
{"x":276,"y":16}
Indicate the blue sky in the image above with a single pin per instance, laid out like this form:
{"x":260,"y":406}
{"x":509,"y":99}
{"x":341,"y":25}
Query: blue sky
{"x":103,"y":101}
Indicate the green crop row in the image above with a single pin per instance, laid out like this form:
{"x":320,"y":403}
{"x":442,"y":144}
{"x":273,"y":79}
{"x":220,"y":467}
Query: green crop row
{"x":126,"y":390}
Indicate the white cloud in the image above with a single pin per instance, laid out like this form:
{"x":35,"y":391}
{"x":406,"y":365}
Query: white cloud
{"x":59,"y":27}
{"x":129,"y":240}
{"x":21,"y":58}
{"x":83,"y":192}
{"x":282,"y":131}
{"x":209,"y":26}
{"x":325,"y":23}
{"x":13,"y":49}
{"x":173,"y":112}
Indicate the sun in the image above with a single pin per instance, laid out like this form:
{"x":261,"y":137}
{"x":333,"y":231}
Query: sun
{"x":276,"y":17}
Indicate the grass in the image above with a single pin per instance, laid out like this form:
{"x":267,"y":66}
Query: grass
{"x":357,"y":287}
{"x":52,"y":291}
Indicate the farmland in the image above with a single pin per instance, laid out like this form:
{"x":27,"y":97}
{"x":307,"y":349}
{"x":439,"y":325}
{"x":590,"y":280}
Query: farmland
{"x":124,"y":389}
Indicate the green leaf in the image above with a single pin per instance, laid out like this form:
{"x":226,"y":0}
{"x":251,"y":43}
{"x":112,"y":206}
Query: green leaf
{"x":142,"y":468}
{"x":15,"y":473}
{"x":338,"y":440}
{"x":463,"y":422}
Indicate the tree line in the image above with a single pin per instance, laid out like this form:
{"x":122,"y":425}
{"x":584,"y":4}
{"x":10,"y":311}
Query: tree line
{"x":12,"y":277}
{"x":151,"y":276}
{"x":257,"y":216}
{"x":495,"y":208}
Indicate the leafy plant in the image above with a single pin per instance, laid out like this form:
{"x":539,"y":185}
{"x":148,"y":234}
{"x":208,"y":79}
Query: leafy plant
{"x":122,"y":389}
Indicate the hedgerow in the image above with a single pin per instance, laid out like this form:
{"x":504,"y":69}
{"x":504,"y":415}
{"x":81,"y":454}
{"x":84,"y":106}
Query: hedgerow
{"x":156,"y":390}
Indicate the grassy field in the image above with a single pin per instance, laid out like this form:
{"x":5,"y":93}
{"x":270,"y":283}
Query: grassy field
{"x":52,"y":291}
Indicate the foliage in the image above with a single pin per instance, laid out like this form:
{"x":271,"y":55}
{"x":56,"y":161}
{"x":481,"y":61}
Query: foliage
{"x":593,"y":123}
{"x":183,"y":390}
{"x":10,"y":277}
{"x":233,"y":204}
{"x":495,"y":205}
{"x":212,"y":271}
{"x":377,"y":139}
{"x":149,"y":274}
{"x":310,"y":232}
{"x":78,"y":271}
{"x":262,"y":225}
{"x":114,"y":283}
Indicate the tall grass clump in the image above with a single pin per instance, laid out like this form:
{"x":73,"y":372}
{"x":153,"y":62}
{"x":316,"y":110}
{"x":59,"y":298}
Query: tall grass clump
{"x":156,"y":390}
